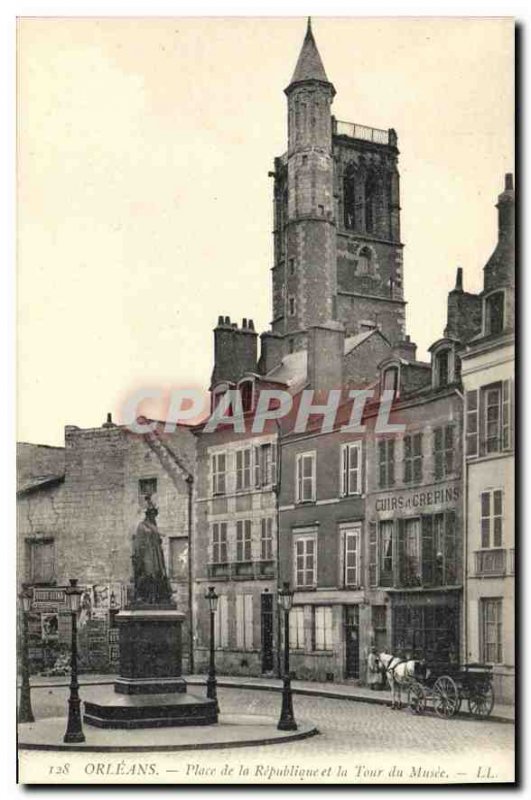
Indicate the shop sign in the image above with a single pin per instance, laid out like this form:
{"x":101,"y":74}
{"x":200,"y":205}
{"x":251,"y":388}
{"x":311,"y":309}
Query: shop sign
{"x":423,"y":498}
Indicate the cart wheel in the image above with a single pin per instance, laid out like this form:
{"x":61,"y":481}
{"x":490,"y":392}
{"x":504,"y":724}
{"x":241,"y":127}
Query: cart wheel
{"x":446,"y":700}
{"x":417,"y":698}
{"x":481,"y":700}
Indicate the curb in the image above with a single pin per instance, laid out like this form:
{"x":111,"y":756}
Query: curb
{"x":330,"y":695}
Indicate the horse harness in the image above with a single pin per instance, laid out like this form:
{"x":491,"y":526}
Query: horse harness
{"x":391,"y":667}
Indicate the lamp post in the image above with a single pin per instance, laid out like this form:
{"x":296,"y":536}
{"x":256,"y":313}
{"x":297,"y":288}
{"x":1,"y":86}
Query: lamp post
{"x":74,"y":729}
{"x":287,"y":719}
{"x":25,"y":713}
{"x":212,"y":598}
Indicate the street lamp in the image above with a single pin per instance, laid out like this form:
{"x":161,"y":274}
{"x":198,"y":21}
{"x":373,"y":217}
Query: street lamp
{"x":74,"y":730}
{"x":287,"y":719}
{"x":212,"y":598}
{"x":25,"y":713}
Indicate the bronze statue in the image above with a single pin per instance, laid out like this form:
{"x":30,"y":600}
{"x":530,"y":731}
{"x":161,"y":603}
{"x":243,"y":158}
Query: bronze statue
{"x":151,"y":584}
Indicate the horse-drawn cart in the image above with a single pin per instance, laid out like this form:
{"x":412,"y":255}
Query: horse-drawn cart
{"x":446,"y":686}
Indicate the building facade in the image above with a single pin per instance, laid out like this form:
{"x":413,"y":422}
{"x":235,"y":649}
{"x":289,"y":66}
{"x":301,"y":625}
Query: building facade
{"x":77,"y":522}
{"x":488,"y":378}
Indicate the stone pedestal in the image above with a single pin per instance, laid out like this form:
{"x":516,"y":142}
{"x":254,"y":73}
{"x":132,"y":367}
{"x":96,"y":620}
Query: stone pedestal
{"x":150,"y":676}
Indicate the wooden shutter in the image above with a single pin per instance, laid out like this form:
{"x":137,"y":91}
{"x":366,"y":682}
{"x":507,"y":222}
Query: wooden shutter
{"x":298,"y":476}
{"x":449,"y":449}
{"x":438,"y":453}
{"x":506,"y":415}
{"x":274,"y":477}
{"x":259,"y":478}
{"x":224,"y":621}
{"x":391,"y":462}
{"x":407,"y":460}
{"x":240,"y":622}
{"x":450,"y":548}
{"x":249,"y":639}
{"x":417,"y":454}
{"x":344,"y":470}
{"x":472,"y":423}
{"x":373,"y":554}
{"x":427,"y":550}
{"x":401,"y":567}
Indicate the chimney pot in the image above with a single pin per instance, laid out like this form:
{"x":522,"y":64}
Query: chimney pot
{"x":221,"y":320}
{"x":227,"y":320}
{"x":244,"y":322}
{"x":251,"y":325}
{"x":459,"y":279}
{"x":509,"y":186}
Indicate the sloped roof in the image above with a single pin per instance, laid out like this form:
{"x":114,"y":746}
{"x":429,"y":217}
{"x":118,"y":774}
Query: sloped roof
{"x":293,"y":369}
{"x":309,"y":65}
{"x":40,"y":482}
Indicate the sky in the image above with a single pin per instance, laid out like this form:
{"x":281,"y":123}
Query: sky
{"x":144,"y":203}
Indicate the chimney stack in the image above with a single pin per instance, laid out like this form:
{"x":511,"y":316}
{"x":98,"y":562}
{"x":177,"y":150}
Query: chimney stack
{"x":326,"y":347}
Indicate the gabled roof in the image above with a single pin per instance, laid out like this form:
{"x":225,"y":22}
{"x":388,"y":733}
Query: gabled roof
{"x":309,"y":65}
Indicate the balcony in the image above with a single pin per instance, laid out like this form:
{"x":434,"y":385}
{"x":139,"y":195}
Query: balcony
{"x":356,"y":131}
{"x":491,"y":562}
{"x":242,"y":570}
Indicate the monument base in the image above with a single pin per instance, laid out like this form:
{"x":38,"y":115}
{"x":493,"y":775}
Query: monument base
{"x":150,"y":691}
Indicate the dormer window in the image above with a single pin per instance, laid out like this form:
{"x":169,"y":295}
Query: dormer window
{"x":390,"y":379}
{"x":442,"y":367}
{"x":246,"y":393}
{"x":217,"y":394}
{"x":494,"y":313}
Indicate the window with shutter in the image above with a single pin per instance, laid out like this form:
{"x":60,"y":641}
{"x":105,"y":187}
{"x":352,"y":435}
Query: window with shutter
{"x":386,"y":458}
{"x":450,"y":553}
{"x":472,"y":419}
{"x":249,"y":637}
{"x":428,"y":571}
{"x":351,"y":469}
{"x":305,"y":561}
{"x":218,"y":465}
{"x":221,"y":623}
{"x":507,"y":415}
{"x":351,"y":557}
{"x":243,"y":469}
{"x":373,"y":555}
{"x":266,"y":539}
{"x":386,"y":552}
{"x":305,"y":478}
{"x":323,"y":633}
{"x":243,"y":540}
{"x":491,"y":505}
{"x":296,"y":628}
{"x":491,"y":630}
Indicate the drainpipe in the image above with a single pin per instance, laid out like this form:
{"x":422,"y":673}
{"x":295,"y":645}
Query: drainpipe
{"x":464,"y":472}
{"x":277,"y":504}
{"x":190,"y":485}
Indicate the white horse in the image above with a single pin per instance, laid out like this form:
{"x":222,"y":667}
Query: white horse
{"x":399,"y":673}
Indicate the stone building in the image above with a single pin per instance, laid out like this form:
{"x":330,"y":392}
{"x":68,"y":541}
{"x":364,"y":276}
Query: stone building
{"x":488,"y":365}
{"x":76,"y":515}
{"x":338,"y":310}
{"x":337,"y":248}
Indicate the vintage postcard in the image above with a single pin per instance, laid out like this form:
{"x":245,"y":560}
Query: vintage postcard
{"x":266,"y":400}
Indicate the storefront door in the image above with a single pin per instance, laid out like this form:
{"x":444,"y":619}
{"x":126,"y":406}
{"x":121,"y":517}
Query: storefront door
{"x":352,"y":646}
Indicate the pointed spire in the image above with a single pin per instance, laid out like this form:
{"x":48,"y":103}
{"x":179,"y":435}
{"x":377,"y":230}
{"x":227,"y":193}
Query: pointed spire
{"x":309,"y":65}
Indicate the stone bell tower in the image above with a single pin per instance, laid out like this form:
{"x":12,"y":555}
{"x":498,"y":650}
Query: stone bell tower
{"x":304,"y":275}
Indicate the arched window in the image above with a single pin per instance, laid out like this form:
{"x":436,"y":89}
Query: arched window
{"x":494,"y":313}
{"x":370,"y":197}
{"x":349,"y":201}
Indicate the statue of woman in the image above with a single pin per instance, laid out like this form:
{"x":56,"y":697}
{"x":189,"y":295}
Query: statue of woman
{"x":151,"y":584}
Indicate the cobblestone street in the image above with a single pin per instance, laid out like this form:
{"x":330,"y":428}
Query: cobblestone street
{"x":345,"y":727}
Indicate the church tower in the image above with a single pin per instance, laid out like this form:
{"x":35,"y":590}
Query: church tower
{"x":337,"y":249}
{"x":304,"y":275}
